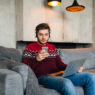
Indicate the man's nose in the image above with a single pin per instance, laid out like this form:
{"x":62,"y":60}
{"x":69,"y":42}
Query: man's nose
{"x":43,"y":36}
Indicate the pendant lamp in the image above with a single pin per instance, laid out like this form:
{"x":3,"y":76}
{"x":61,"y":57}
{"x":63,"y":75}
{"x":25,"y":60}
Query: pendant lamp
{"x":54,"y":2}
{"x":75,"y":7}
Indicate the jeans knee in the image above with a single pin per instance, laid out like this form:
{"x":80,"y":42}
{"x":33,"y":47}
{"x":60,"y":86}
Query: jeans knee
{"x":90,"y":77}
{"x":67,"y":83}
{"x":68,"y":87}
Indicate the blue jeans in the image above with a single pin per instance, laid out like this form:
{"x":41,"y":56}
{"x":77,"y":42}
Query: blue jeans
{"x":66,"y":85}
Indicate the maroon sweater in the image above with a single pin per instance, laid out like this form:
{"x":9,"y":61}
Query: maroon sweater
{"x":49,"y":65}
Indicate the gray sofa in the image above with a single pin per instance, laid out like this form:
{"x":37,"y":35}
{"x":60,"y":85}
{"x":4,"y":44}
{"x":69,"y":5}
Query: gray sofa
{"x":18,"y":79}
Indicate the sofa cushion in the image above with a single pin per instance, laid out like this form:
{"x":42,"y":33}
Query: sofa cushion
{"x":80,"y":90}
{"x":73,"y":54}
{"x":47,"y":91}
{"x":32,"y":84}
{"x":10,"y":53}
{"x":9,"y":64}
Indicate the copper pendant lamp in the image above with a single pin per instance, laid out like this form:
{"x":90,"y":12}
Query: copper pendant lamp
{"x":54,"y":2}
{"x":75,"y":7}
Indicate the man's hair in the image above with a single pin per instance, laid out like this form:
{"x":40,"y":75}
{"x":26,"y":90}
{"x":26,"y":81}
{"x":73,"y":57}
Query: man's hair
{"x":42,"y":26}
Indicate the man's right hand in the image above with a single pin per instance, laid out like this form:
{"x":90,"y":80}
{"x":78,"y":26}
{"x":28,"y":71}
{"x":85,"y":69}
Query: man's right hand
{"x":42,"y":55}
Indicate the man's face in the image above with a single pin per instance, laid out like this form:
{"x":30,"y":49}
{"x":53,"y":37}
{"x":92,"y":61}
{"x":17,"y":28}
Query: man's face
{"x":43,"y":36}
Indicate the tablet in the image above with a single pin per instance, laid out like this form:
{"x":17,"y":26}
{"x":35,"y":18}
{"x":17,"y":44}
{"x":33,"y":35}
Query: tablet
{"x":73,"y":67}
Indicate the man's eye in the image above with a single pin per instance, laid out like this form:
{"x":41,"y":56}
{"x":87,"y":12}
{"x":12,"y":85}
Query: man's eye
{"x":46,"y":34}
{"x":40,"y":34}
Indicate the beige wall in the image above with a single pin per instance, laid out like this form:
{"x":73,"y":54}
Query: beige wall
{"x":18,"y":18}
{"x":7,"y":23}
{"x":94,"y":22}
{"x":65,"y":26}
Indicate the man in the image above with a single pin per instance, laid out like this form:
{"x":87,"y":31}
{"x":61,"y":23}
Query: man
{"x":47,"y":64}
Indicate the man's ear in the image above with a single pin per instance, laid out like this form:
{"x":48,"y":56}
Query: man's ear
{"x":35,"y":35}
{"x":49,"y":35}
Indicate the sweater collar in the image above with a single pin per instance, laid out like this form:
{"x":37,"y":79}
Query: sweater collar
{"x":42,"y":45}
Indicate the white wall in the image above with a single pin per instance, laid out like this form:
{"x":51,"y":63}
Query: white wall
{"x":19,"y":19}
{"x":7,"y":23}
{"x":23,"y":15}
{"x":65,"y":26}
{"x":94,"y":22}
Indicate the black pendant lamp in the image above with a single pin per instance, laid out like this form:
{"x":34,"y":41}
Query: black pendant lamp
{"x":75,"y":7}
{"x":54,"y":2}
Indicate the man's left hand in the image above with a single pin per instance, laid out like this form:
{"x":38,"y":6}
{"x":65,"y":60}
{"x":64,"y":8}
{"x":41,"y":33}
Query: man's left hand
{"x":80,"y":69}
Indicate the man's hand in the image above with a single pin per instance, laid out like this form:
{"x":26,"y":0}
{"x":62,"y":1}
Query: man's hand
{"x":42,"y":55}
{"x":80,"y":69}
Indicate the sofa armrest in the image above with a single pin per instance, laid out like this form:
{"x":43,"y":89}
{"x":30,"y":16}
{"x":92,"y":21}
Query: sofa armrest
{"x":22,"y":69}
{"x":18,"y":67}
{"x":10,"y":83}
{"x":91,"y":71}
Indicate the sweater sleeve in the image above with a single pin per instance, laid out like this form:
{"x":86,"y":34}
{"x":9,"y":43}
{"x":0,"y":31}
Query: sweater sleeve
{"x":60,"y":64}
{"x":29,"y":58}
{"x":31,"y":62}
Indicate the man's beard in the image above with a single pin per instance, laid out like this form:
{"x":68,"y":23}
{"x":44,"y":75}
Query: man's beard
{"x":42,"y":43}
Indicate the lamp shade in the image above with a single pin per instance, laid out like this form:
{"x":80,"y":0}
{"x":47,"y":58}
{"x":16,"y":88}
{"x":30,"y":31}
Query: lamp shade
{"x":54,"y":2}
{"x":75,"y":7}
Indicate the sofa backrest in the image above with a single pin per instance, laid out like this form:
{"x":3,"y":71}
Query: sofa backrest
{"x":68,"y":55}
{"x":10,"y":53}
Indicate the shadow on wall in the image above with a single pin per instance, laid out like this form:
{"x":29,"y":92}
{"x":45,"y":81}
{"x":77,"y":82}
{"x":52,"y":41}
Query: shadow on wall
{"x":23,"y":44}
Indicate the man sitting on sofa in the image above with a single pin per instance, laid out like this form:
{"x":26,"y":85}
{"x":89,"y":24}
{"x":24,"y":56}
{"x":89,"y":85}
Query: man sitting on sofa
{"x":47,"y":64}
